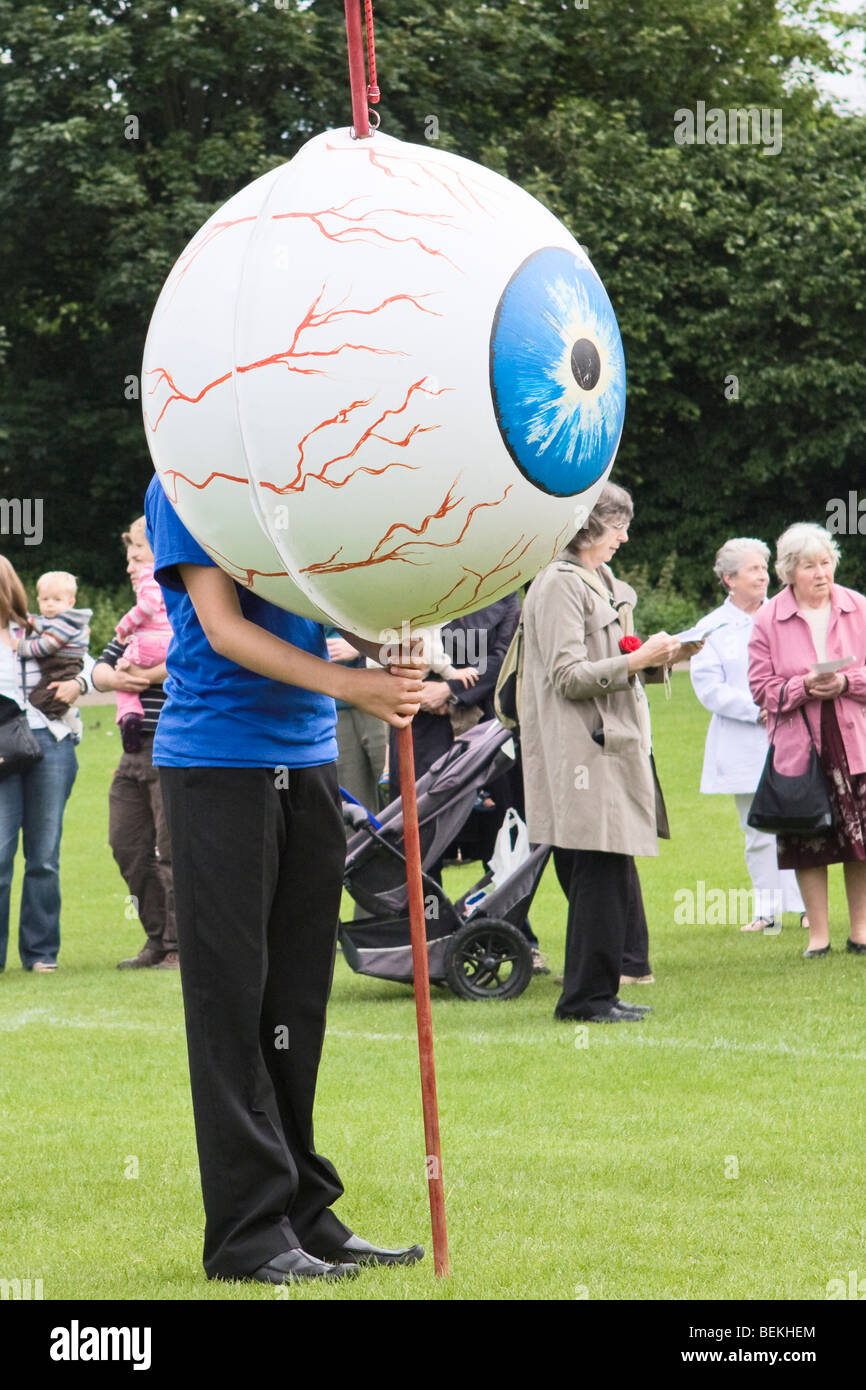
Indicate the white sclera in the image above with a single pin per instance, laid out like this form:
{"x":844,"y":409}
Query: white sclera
{"x":328,"y":337}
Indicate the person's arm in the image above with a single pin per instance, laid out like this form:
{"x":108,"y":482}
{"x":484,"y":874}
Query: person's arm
{"x":390,"y":695}
{"x":105,"y":676}
{"x":560,"y":619}
{"x":374,"y":650}
{"x":854,"y":677}
{"x":154,"y":675}
{"x":436,"y":697}
{"x":716,"y":693}
{"x":339,"y":649}
{"x":46,"y":643}
{"x":497,"y":639}
{"x":71,"y":690}
{"x":765,"y":684}
{"x":68,"y":691}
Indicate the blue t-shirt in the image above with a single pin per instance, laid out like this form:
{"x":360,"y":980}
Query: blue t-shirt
{"x":216,"y":713}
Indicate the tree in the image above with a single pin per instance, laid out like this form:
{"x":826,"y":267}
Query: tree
{"x":124,"y":125}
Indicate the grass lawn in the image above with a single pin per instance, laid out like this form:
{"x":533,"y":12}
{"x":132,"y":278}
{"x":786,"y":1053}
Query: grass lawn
{"x":711,"y":1152}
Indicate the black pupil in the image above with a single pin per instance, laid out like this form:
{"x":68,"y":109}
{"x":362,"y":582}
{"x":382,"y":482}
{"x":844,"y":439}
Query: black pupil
{"x":585,"y":363}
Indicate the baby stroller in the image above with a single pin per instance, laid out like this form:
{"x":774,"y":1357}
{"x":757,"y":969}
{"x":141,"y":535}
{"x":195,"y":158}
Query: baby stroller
{"x":474,"y":945}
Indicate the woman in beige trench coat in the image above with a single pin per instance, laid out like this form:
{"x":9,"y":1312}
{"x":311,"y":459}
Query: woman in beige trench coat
{"x":590,"y":786}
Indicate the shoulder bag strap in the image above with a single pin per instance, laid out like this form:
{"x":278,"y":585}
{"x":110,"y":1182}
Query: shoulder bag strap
{"x":784,"y":687}
{"x":23,"y":664}
{"x":593,"y":582}
{"x":778,"y":715}
{"x":621,"y":607}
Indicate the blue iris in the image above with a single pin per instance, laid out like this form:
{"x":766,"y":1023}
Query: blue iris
{"x":557,"y":372}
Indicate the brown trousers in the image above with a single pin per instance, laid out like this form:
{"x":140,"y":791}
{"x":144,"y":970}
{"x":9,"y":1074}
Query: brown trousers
{"x":139,"y":839}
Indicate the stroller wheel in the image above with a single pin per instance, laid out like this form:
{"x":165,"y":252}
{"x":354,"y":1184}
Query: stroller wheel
{"x":488,"y":959}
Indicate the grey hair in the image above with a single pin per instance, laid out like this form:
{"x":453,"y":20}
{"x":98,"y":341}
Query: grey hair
{"x":803,"y":541}
{"x":731,"y":555}
{"x":613,"y":507}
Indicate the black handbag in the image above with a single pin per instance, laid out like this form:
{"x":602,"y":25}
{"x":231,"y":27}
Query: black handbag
{"x":792,"y":805}
{"x":19,"y":746}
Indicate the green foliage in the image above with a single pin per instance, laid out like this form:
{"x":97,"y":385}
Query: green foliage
{"x":661,"y":607}
{"x":123,"y":126}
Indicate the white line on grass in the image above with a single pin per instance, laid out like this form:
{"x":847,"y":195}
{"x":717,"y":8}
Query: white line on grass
{"x":116,"y":1021}
{"x":563,"y":1034}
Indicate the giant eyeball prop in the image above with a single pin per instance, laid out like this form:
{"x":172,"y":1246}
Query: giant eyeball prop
{"x":382,"y":385}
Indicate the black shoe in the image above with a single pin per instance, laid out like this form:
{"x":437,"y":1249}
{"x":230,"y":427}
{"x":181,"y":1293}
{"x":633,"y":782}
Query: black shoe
{"x":146,"y":959}
{"x":360,"y":1252}
{"x":294,"y":1265}
{"x":634,"y":1008}
{"x":813,"y":955}
{"x":617,"y":1013}
{"x":856,"y":948}
{"x":130,"y":732}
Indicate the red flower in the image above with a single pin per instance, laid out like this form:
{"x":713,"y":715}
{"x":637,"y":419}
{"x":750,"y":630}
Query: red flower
{"x":629,"y":644}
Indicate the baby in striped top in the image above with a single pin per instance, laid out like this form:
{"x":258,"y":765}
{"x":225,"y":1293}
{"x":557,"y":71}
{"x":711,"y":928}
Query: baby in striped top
{"x":62,"y":634}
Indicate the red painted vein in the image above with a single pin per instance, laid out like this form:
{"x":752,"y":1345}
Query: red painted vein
{"x":504,"y":561}
{"x":311,"y":320}
{"x":343,"y":235}
{"x":192,"y":253}
{"x":298,"y":483}
{"x":381,"y":161}
{"x":248,"y":574}
{"x":448,"y":504}
{"x":175,"y":474}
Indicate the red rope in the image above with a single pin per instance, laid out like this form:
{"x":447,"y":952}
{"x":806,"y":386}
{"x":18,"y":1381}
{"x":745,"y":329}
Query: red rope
{"x":372,"y":88}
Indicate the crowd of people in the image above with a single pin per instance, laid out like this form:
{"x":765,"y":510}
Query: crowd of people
{"x":215,"y":850}
{"x":591,"y":786}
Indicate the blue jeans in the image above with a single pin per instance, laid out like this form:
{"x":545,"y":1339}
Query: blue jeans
{"x":33,"y":803}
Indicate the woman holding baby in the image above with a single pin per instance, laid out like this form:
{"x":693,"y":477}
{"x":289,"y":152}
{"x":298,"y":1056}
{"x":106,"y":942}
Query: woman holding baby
{"x":815,"y":622}
{"x":32,"y":802}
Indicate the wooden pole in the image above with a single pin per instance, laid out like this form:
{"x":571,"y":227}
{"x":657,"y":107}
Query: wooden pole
{"x":418,"y":927}
{"x":357,"y":70}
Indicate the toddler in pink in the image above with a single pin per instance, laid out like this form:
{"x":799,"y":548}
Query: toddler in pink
{"x":146,"y":631}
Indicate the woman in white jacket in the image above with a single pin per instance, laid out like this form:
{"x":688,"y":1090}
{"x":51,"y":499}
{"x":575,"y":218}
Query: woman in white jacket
{"x":736,"y":744}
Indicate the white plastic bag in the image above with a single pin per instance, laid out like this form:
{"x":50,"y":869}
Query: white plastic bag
{"x":511,"y":848}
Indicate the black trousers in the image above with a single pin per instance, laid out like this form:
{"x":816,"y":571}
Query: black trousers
{"x":607,"y":931}
{"x":258,"y":876}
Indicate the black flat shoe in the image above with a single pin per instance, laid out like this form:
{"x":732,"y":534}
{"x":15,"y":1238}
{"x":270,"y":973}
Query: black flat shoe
{"x":856,"y":948}
{"x":356,"y":1251}
{"x":617,"y":1013}
{"x":634,"y":1008}
{"x":813,"y":955}
{"x":294,"y":1265}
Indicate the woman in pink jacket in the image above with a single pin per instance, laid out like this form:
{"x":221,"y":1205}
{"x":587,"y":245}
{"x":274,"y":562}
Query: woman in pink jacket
{"x":814,"y":620}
